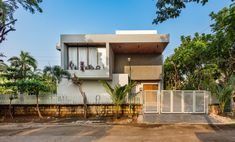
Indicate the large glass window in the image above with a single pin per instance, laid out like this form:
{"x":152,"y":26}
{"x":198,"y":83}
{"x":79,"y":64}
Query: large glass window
{"x":101,"y":57}
{"x":87,"y":58}
{"x":73,"y":64}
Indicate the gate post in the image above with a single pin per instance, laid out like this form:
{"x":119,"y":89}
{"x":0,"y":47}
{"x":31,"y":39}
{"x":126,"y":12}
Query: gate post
{"x":182,"y":101}
{"x":194,"y":101}
{"x":171,"y":101}
{"x":159,"y":100}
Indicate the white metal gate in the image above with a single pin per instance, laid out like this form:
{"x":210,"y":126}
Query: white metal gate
{"x":176,"y":101}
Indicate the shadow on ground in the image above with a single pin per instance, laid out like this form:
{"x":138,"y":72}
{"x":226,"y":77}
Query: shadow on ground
{"x":221,"y":133}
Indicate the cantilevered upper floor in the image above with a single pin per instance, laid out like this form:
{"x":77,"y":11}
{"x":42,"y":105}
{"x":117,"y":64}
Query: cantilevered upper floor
{"x":98,"y":56}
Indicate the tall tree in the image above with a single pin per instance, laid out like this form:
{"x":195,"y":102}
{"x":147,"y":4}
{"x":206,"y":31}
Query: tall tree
{"x":223,"y":48}
{"x":7,"y":10}
{"x":24,"y":64}
{"x":189,"y":66}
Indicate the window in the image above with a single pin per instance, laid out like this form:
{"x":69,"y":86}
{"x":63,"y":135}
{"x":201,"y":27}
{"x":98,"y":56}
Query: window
{"x":87,"y":58}
{"x":72,"y":64}
{"x":101,"y":57}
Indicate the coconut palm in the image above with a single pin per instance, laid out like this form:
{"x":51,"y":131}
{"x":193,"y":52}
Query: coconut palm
{"x":118,"y":93}
{"x":56,"y":72}
{"x":24,"y":63}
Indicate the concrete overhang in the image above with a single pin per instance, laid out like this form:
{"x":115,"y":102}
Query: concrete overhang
{"x":141,"y":40}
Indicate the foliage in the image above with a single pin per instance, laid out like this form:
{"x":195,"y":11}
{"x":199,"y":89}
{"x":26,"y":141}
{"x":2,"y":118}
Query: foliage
{"x":168,"y":9}
{"x":188,"y":67}
{"x":23,"y":65}
{"x":7,"y":10}
{"x":206,"y":61}
{"x":204,"y":58}
{"x":223,"y":47}
{"x":223,"y":91}
{"x":118,"y":93}
{"x":32,"y":86}
{"x":2,"y":64}
{"x":24,"y":68}
{"x":56,"y":73}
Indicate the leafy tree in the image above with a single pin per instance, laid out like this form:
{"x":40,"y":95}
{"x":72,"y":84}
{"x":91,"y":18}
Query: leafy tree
{"x":189,"y":66}
{"x":168,"y":9}
{"x":223,"y":48}
{"x":32,"y":87}
{"x":24,"y":64}
{"x":201,"y":61}
{"x":7,"y":10}
{"x":118,"y":93}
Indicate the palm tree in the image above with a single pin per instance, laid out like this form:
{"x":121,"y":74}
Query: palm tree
{"x":56,"y":72}
{"x":223,"y":91}
{"x":118,"y":93}
{"x":24,"y":63}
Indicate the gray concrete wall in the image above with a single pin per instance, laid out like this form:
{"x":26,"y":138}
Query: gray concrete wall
{"x":121,"y":61}
{"x":143,"y":66}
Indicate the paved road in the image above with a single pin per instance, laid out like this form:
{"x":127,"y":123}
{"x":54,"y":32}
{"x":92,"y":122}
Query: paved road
{"x":34,"y":132}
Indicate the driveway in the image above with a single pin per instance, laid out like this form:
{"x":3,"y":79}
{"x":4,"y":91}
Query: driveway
{"x":71,"y":132}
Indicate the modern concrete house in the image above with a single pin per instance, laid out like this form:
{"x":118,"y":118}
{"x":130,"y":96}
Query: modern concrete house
{"x":118,"y":58}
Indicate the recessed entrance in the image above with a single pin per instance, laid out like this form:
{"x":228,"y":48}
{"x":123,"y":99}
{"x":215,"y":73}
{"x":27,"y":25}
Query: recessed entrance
{"x":151,"y":98}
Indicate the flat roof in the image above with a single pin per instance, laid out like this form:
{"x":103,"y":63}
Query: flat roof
{"x":126,"y":32}
{"x":149,"y":37}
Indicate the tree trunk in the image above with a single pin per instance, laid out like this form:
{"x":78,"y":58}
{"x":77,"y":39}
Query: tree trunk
{"x":37,"y":107}
{"x":10,"y":109}
{"x":222,"y":105}
{"x":117,"y":111}
{"x":84,"y":101}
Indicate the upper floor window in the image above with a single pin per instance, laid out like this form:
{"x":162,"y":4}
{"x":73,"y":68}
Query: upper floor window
{"x":86,"y":58}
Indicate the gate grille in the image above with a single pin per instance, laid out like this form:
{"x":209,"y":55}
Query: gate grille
{"x":177,"y":101}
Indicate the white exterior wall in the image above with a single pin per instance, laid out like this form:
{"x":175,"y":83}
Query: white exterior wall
{"x":93,"y":89}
